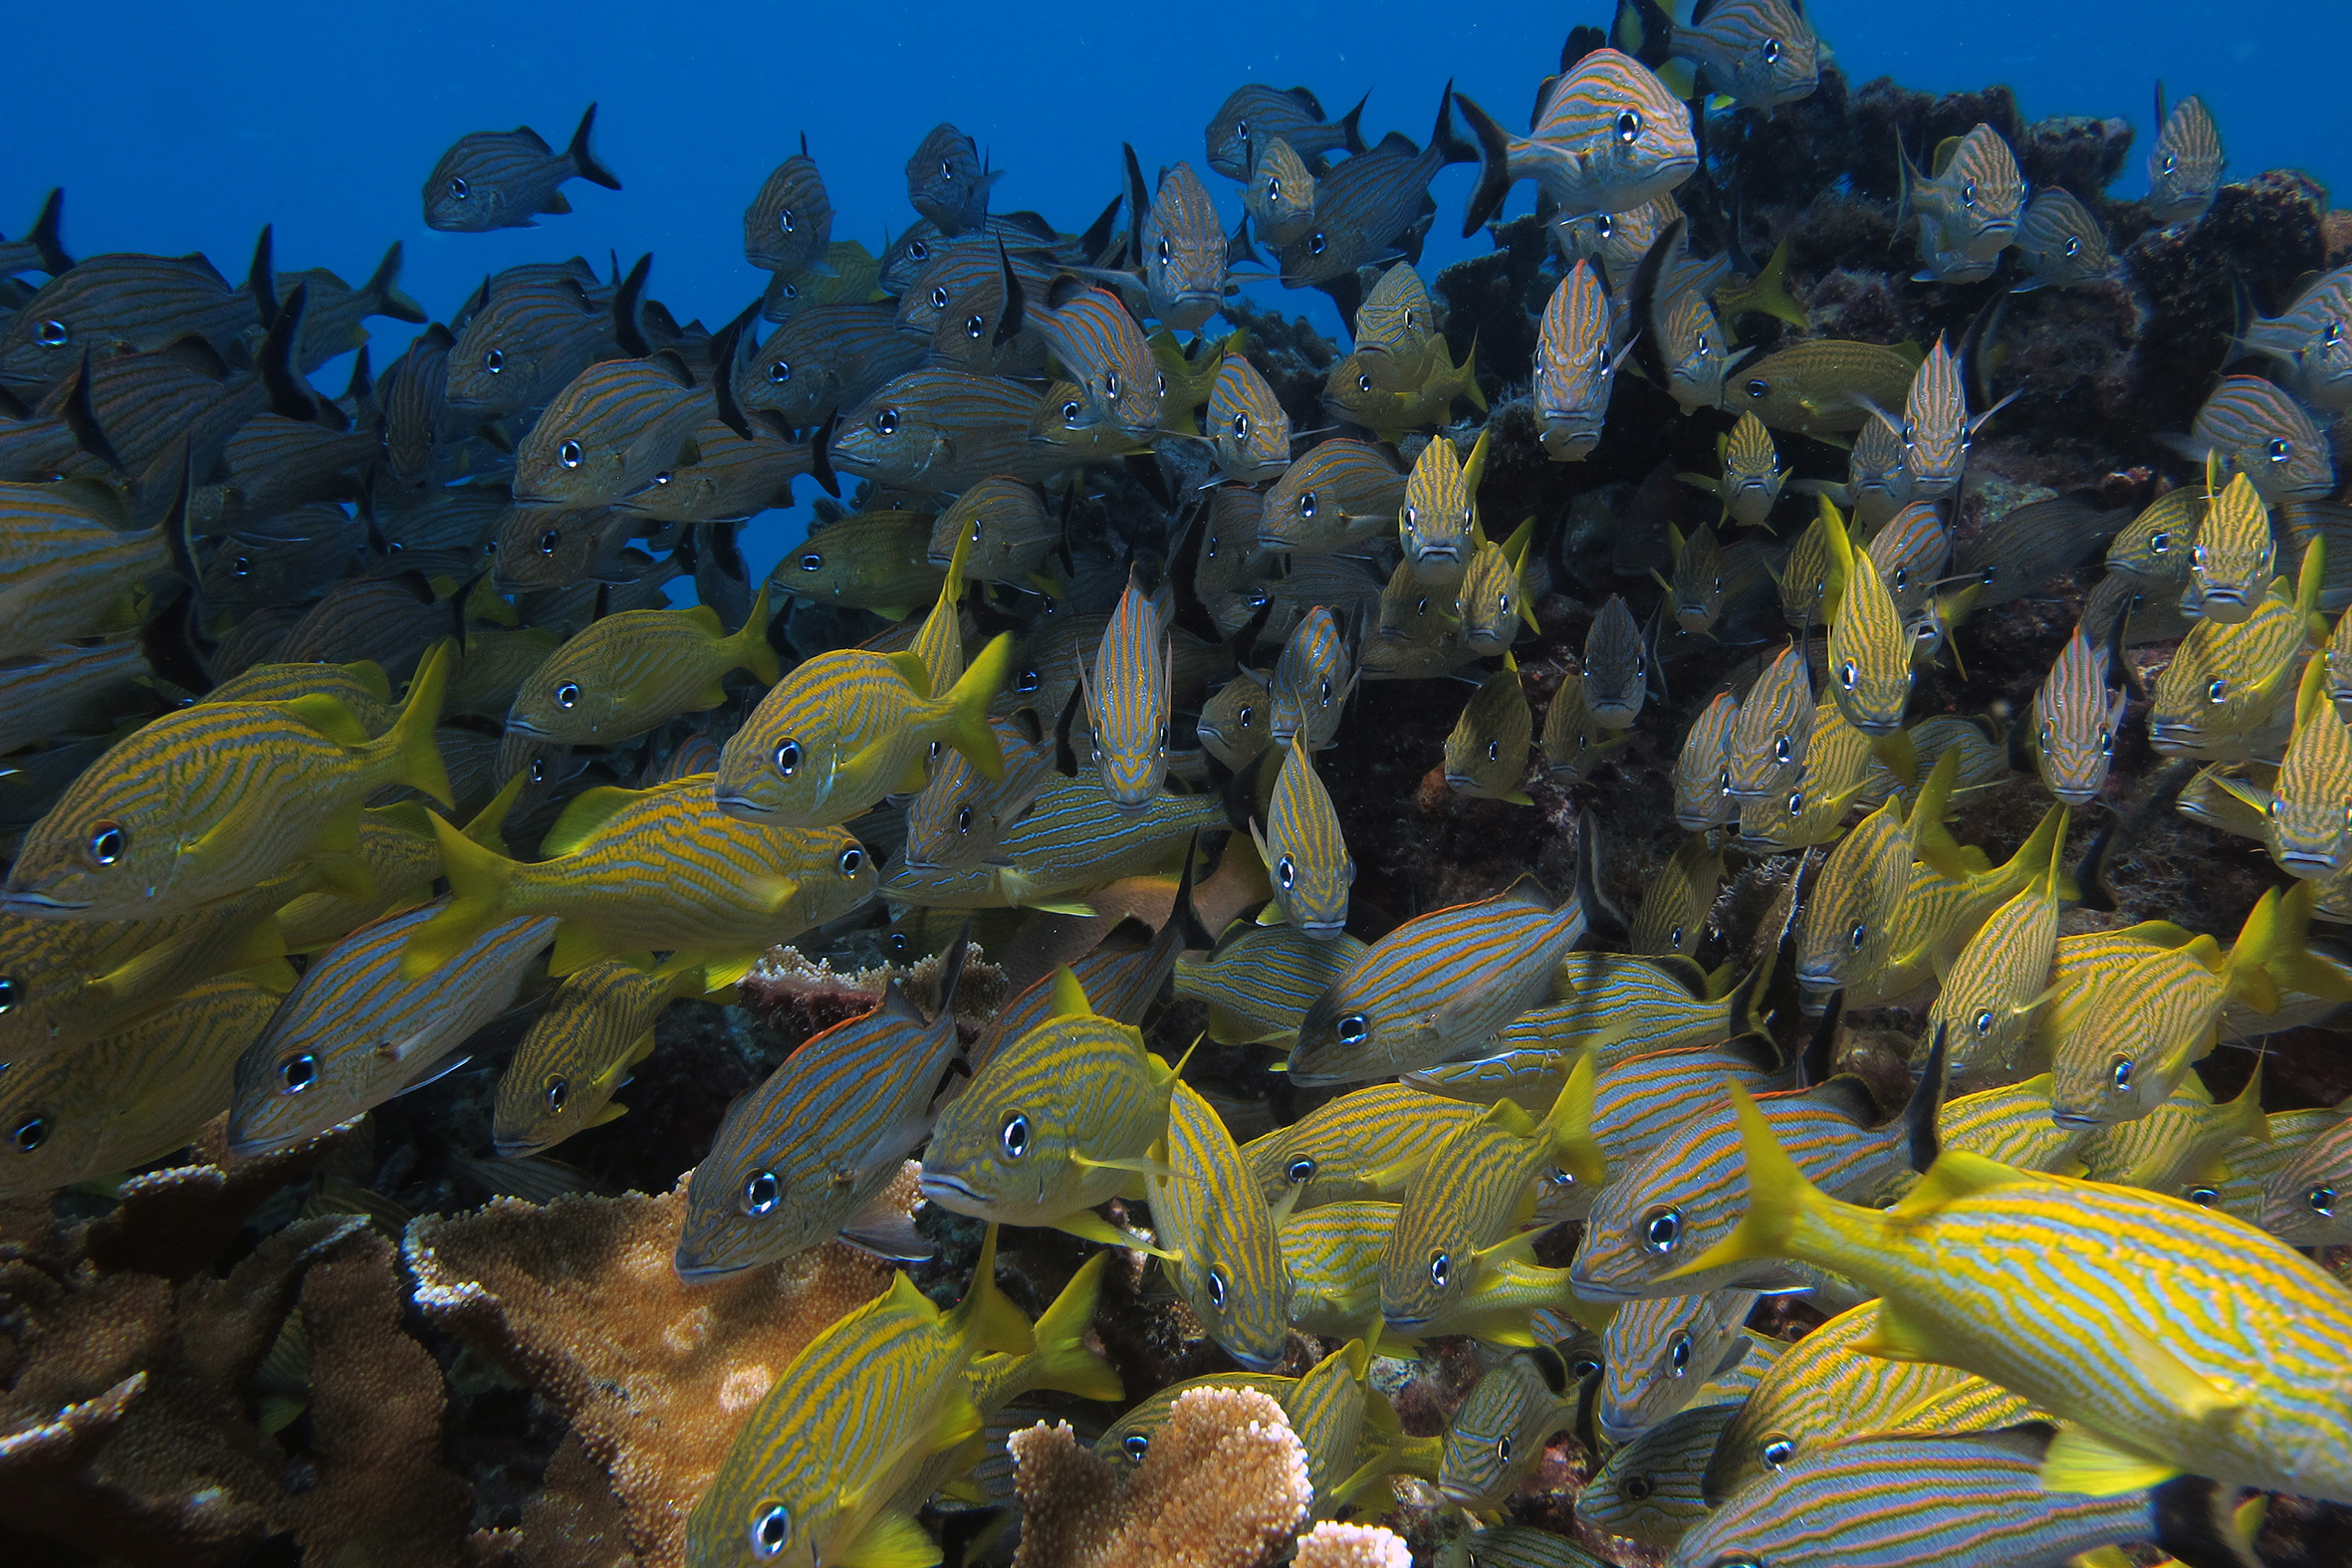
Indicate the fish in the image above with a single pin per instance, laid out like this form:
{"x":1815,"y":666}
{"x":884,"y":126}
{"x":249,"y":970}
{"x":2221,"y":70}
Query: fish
{"x":503,"y":179}
{"x":1515,"y":1546}
{"x":2061,"y":244}
{"x":1128,"y":701}
{"x":1342,"y":493}
{"x":2012,"y":1124}
{"x":2019,"y":553}
{"x":1847,"y":922}
{"x":1312,"y":682}
{"x":562,"y":1078}
{"x":1607,"y":136}
{"x":808,"y":1154}
{"x":826,"y":359}
{"x":1227,"y":1260}
{"x":1060,"y":1120}
{"x":1703,"y":795}
{"x":2307,"y":341}
{"x":1252,"y":118}
{"x":2256,"y":428}
{"x":2076,"y":719}
{"x":1073,"y":839}
{"x":210,"y":800}
{"x":922,"y":242}
{"x":938,"y":432}
{"x":1493,"y":602}
{"x":127,"y":303}
{"x":2304,"y":810}
{"x":1305,"y":857}
{"x":66,"y":555}
{"x":1259,"y":981}
{"x":1991,"y":994}
{"x":1976,"y":1242}
{"x":1969,"y":211}
{"x":357,"y":1031}
{"x":1575,"y":371}
{"x":2156,"y":543}
{"x":1937,"y":428}
{"x":1770,"y":732}
{"x":1120,"y":386}
{"x":1837,"y":769}
{"x":1279,"y":194}
{"x":2301,"y":1203}
{"x":1677,"y":901}
{"x":1331,"y":1254}
{"x":1371,"y":207}
{"x":528,"y":342}
{"x":1655,"y":1355}
{"x":1008,"y":532}
{"x":1487,"y":749}
{"x":877,"y":561}
{"x":2185,"y":164}
{"x":1182,"y":249}
{"x":845,"y":729}
{"x":38,"y":248}
{"x":1696,"y":351}
{"x":2225,"y":687}
{"x":1617,"y":664}
{"x":2177,"y":1145}
{"x":1397,"y":316}
{"x":1870,"y":675}
{"x":1648,"y":1490}
{"x":1573,"y":743}
{"x":1752,"y":476}
{"x":1438,"y":526}
{"x":629,"y":674}
{"x":789,"y":226}
{"x":960,"y":818}
{"x":1439,"y":985}
{"x":1361,"y":1147}
{"x":1395,"y":392}
{"x":1496,"y":1437}
{"x":626,"y":869}
{"x":948,"y":182}
{"x":63,"y":688}
{"x":1823,"y":387}
{"x":1248,"y":428}
{"x":1760,"y":53}
{"x":1232,"y":725}
{"x":610,"y":431}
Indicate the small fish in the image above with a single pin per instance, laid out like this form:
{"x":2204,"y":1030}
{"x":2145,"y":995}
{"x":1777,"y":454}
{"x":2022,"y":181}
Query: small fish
{"x":1124,"y":979}
{"x":1253,"y":116}
{"x":2154,"y":545}
{"x":1439,"y":985}
{"x":789,"y":226}
{"x":1332,"y":1256}
{"x":1438,"y":523}
{"x":947,"y":180}
{"x":1696,"y":352}
{"x":1182,"y":248}
{"x":1311,"y":685}
{"x":1279,"y":194}
{"x":1007,"y":530}
{"x":1969,"y":210}
{"x":1617,"y":666}
{"x":358,"y":1030}
{"x":1228,"y":1255}
{"x":937,"y":431}
{"x":1234,"y":722}
{"x":1074,"y":838}
{"x":1575,"y":371}
{"x":626,"y":869}
{"x":1824,"y":387}
{"x":1259,"y":981}
{"x":846,"y":728}
{"x":1848,"y":921}
{"x":1058,"y":1120}
{"x":1573,"y":743}
{"x":1395,"y":392}
{"x":1677,"y":901}
{"x":610,"y":431}
{"x":1362,"y":1146}
{"x":2012,"y":1125}
{"x":807,"y":1155}
{"x":1976,"y":1265}
{"x":2021,"y":550}
{"x":2302,"y":1204}
{"x":1305,"y":857}
{"x":1493,"y":599}
{"x":1703,"y":795}
{"x":1875,"y":487}
{"x":1486,"y":751}
{"x":2305,"y":819}
{"x":1396,"y":316}
{"x":1371,"y":207}
{"x":562,"y":1076}
{"x":2185,"y":164}
{"x":1127,"y":700}
{"x":1341,"y":494}
{"x":1496,"y":1437}
{"x":2076,"y":719}
{"x":1649,"y":1489}
{"x":1772,"y":730}
{"x":1837,"y":767}
{"x":1248,"y":429}
{"x":629,"y":674}
{"x":2309,"y":342}
{"x":1607,"y":136}
{"x":960,"y":818}
{"x":503,"y":179}
{"x":1656,"y":1354}
{"x":877,"y":561}
{"x":2257,"y":429}
{"x":1870,"y":674}
{"x":2177,"y":1145}
{"x":2223,"y":691}
{"x":1985,"y":1010}
{"x":826,"y":359}
{"x":1760,"y":53}
{"x":2061,"y":243}
{"x":526,"y":344}
{"x":1120,"y":386}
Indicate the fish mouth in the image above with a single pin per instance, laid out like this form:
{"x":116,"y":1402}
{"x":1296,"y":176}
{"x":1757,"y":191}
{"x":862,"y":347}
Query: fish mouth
{"x":745,"y":808}
{"x":526,"y":727}
{"x":2172,"y":738}
{"x":1256,"y":1361}
{"x":2074,"y":794}
{"x":1463,"y":1496}
{"x":1326,"y":928}
{"x":512,"y":1149}
{"x":951,"y":1191}
{"x":1817,"y":980}
{"x":1459,"y":781}
{"x":703,"y":1273}
{"x":2305,"y":857}
{"x":1618,"y":1431}
{"x":2075,"y":1119}
{"x":36,"y":903}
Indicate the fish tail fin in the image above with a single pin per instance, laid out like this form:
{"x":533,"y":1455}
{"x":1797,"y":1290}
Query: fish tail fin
{"x":415,"y":759}
{"x":1745,"y":1005}
{"x":752,"y":651}
{"x":1444,"y":138}
{"x":2271,"y":952}
{"x":1061,"y":1362}
{"x":1493,"y":165}
{"x":2198,"y":1525}
{"x":478,"y":882}
{"x":967,"y":700}
{"x":43,"y":236}
{"x":985,"y":1319}
{"x":1569,"y":1127}
{"x":1771,"y":295}
{"x":1351,"y":124}
{"x":1645,"y":29}
{"x":1904,"y":175}
{"x":1779,"y":1197}
{"x":583,"y":160}
{"x":488,"y":828}
{"x":2032,"y":863}
{"x":383,"y":290}
{"x":1467,"y":378}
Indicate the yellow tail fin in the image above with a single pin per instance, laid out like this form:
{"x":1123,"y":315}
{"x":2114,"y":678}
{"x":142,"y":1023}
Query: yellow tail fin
{"x":984,"y":1320}
{"x":478,"y":879}
{"x":749,"y":648}
{"x":1777,"y":1196}
{"x":1569,"y":1126}
{"x":1061,"y":1362}
{"x":416,"y":759}
{"x":968,"y":727}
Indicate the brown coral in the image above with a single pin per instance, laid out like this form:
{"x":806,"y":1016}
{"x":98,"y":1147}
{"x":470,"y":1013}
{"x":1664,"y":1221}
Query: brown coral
{"x":580,"y":1299}
{"x":1225,"y":1485}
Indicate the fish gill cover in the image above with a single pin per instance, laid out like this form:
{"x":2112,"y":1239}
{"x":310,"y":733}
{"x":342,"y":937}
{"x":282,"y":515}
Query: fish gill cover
{"x":1685,"y":887}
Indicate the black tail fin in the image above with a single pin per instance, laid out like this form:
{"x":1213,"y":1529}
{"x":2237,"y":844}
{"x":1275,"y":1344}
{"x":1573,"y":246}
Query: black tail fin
{"x":1919,"y":1117}
{"x":1097,"y":235}
{"x":1602,"y":919}
{"x":383,"y":290}
{"x":290,"y":395}
{"x":261,"y":281}
{"x":1649,"y":343}
{"x":1494,"y":172}
{"x":82,"y":419}
{"x":44,"y":236}
{"x":2196,"y":1522}
{"x":1351,"y":124}
{"x":583,"y":160}
{"x":359,"y":390}
{"x":1238,"y":250}
{"x":820,"y":462}
{"x":726,"y":350}
{"x":1643,"y":30}
{"x":1819,"y":1063}
{"x":1138,"y":206}
{"x":1182,"y":914}
{"x":1444,"y":137}
{"x":1015,"y":315}
{"x":626,"y":329}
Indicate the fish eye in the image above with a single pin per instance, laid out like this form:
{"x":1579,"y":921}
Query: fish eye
{"x":1678,"y":1354}
{"x":1847,"y":674}
{"x":558,"y":1095}
{"x":939,"y":297}
{"x":2160,"y":543}
{"x":1859,"y":935}
{"x":7,"y":994}
{"x":1628,"y":125}
{"x":1796,"y":802}
{"x":1983,"y":1020}
{"x":1161,"y":377}
{"x":538,"y":770}
{"x":1660,"y":1228}
{"x":1217,"y":1288}
{"x":964,"y":820}
{"x":1307,"y":504}
{"x":788,"y":758}
{"x":1274,"y":188}
{"x":1637,"y":1487}
{"x":568,"y":454}
{"x":1071,"y":411}
{"x":1240,"y":427}
{"x":1441,"y":1269}
{"x":566,"y":694}
{"x":50,"y":335}
{"x":1674,"y":939}
{"x":2073,"y":247}
{"x":781,"y":371}
{"x":771,"y":1526}
{"x":1247,"y":715}
{"x":1760,"y":387}
{"x":1015,"y":1135}
{"x":29,"y":1134}
{"x":1772,"y":51}
{"x":2280,"y":449}
{"x":814,"y":561}
{"x":1354,"y":1029}
{"x":494,"y":362}
{"x":2321,"y":1200}
{"x":2121,"y":1077}
{"x":791,"y":291}
{"x":1326,"y":692}
{"x":297,"y":1073}
{"x":1503,"y":1450}
{"x":1242,"y":129}
{"x":1314,"y":243}
{"x":974,"y":324}
{"x":2203,"y":1196}
{"x":1110,"y":383}
{"x":1494,"y":751}
{"x":920,"y":251}
{"x":242,"y":566}
{"x":2172,"y":164}
{"x":1286,"y":871}
{"x":1164,"y":253}
{"x":1028,"y":681}
{"x":1782,"y":750}
{"x":1135,"y":1445}
{"x":946,"y":169}
{"x":1299,"y":1171}
{"x":888,"y":421}
{"x":785,"y":220}
{"x":1777,"y":1451}
{"x":1363,"y":381}
{"x":107,"y":842}
{"x":2218,"y":690}
{"x":1967,"y":193}
{"x":851,"y":860}
{"x":548,"y":541}
{"x":458,"y":187}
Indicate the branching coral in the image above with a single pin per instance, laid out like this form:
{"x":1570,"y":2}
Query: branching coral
{"x":1330,"y":1546}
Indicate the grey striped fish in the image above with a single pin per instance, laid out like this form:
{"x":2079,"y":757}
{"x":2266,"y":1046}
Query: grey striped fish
{"x":1122,"y":979}
{"x":501,"y":179}
{"x":1096,"y":340}
{"x":2309,"y":1202}
{"x":124,"y":304}
{"x":1311,"y":682}
{"x":1396,"y":316}
{"x":1649,"y":1489}
{"x":1279,"y":194}
{"x":789,"y":222}
{"x":1008,"y":531}
{"x":1439,"y":985}
{"x":1305,"y":856}
{"x":1572,"y":741}
{"x":1911,"y":551}
{"x":1182,"y":250}
{"x":1248,"y":427}
{"x":1617,"y":666}
{"x":1655,"y":1353}
{"x":1697,"y":350}
{"x":807,"y":1155}
{"x":67,"y":553}
{"x":1496,"y":1437}
{"x":826,"y":359}
{"x":1128,"y":701}
{"x":2076,"y":719}
{"x":948,"y":181}
{"x":357,"y":1031}
{"x":921,"y":242}
{"x":1259,"y":981}
{"x":1680,"y":898}
{"x":1515,"y":1546}
{"x":1703,"y":795}
{"x":1255,"y":114}
{"x":527,"y":344}
{"x":1772,"y":731}
{"x":611,"y":429}
{"x":1228,"y":1255}
{"x":62,"y":688}
{"x":1607,"y":136}
{"x":960,"y":818}
{"x":1937,"y":427}
{"x":2185,"y":164}
{"x":943,"y":432}
{"x":1760,"y":53}
{"x":2061,"y":244}
{"x":1875,"y":485}
{"x":1485,"y":754}
{"x":1373,"y":206}
{"x":1343,"y":491}
{"x":1575,"y":371}
{"x":1969,"y":210}
{"x":2308,"y":339}
{"x":2257,"y":429}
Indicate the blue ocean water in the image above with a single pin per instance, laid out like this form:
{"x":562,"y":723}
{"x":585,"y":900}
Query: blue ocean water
{"x":184,"y":128}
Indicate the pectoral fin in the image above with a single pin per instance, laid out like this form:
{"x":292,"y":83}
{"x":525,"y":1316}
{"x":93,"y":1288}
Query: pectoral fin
{"x":1087,"y":1226}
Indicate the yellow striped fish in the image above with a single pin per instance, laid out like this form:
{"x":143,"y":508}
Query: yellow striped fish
{"x":129,"y":1097}
{"x":610,"y":431}
{"x":1752,"y":476}
{"x":1438,"y":524}
{"x":2076,"y":719}
{"x":1096,"y":340}
{"x":1572,"y":742}
{"x":1396,"y":315}
{"x":1311,"y":682}
{"x":1305,"y":856}
{"x":1607,"y":136}
{"x":1493,"y":601}
{"x":1234,"y":722}
{"x":1847,"y":922}
{"x":69,"y":554}
{"x":1074,"y":838}
{"x":1949,"y":896}
{"x":599,"y":1024}
{"x":210,"y":800}
{"x":1259,"y":981}
{"x":1248,"y":427}
{"x":1227,"y":1258}
{"x":357,"y":1031}
{"x":1441,"y":985}
{"x":1393,"y":392}
{"x":1060,"y":1120}
{"x":1655,"y":1353}
{"x":1575,"y":371}
{"x":1495,"y":1439}
{"x":2012,"y":1125}
{"x":1485,"y":754}
{"x":2170,"y":1338}
{"x":939,"y":641}
{"x":2307,"y":820}
{"x":1364,"y":1145}
{"x":1617,"y":666}
{"x":2180,"y":1143}
{"x":637,"y":870}
{"x":846,"y":728}
{"x":629,"y":674}
{"x":1648,"y":1490}
{"x":1341,"y":494}
{"x":1675,"y":907}
{"x":877,"y":561}
{"x":1969,"y":211}
{"x":807,"y":1155}
{"x":1004,"y":518}
{"x":960,"y":818}
{"x":1772,"y":731}
{"x":360,"y":687}
{"x":2185,"y":164}
{"x":2061,"y":244}
{"x":1698,"y":352}
{"x":2229,"y":563}
{"x":1703,"y":795}
{"x":1869,"y":652}
{"x":1128,"y":699}
{"x":1992,"y":991}
{"x":1837,"y":767}
{"x":1331,"y":1254}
